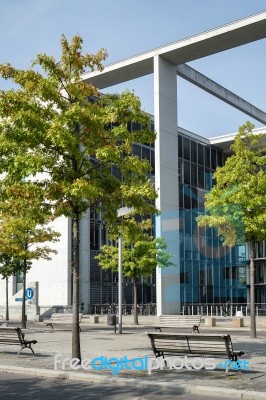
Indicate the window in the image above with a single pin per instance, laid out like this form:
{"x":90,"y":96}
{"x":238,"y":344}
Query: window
{"x":194,"y":152}
{"x":187,"y":173}
{"x":201,"y":177}
{"x":202,"y":277}
{"x":116,"y":172}
{"x":180,"y":171}
{"x":241,"y":275}
{"x":181,"y":197}
{"x":188,"y":230}
{"x":200,"y":154}
{"x":180,"y":146}
{"x":194,"y":180}
{"x":187,"y":199}
{"x":181,"y":247}
{"x":208,"y":179}
{"x":94,"y":236}
{"x":259,"y":250}
{"x":136,"y":126}
{"x":186,"y":144}
{"x":194,"y":198}
{"x":207,"y":157}
{"x":152,"y":162}
{"x":146,"y":154}
{"x":219,"y":159}
{"x":137,"y":150}
{"x":209,"y":276}
{"x":213,"y":159}
{"x":184,"y":277}
{"x":201,"y":199}
{"x":19,"y":281}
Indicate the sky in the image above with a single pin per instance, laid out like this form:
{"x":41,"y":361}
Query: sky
{"x":129,"y":27}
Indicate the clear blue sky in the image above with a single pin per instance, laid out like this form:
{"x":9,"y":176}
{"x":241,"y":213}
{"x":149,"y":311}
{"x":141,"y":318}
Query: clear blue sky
{"x":128,"y":27}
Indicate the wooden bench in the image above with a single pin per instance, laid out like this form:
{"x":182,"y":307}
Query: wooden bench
{"x":61,"y":319}
{"x":179,"y":321}
{"x":15,"y":336}
{"x":193,"y":345}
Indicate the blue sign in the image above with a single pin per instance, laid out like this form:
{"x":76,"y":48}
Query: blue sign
{"x":29,"y":294}
{"x":18,"y":299}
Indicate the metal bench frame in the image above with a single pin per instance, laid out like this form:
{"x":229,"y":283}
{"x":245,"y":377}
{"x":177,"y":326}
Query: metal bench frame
{"x":179,"y":321}
{"x":14,"y":336}
{"x":195,"y":346}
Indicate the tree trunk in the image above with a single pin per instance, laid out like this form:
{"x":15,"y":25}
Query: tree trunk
{"x":23,"y":316}
{"x":253,"y":333}
{"x":7,"y":306}
{"x":75,"y":303}
{"x":136,"y":319}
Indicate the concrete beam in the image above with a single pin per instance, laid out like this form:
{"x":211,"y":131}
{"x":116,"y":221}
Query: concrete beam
{"x":203,"y":82}
{"x":223,"y":38}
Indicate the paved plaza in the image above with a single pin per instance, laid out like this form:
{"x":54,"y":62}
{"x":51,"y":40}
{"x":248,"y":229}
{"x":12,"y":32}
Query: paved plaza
{"x":99,"y":340}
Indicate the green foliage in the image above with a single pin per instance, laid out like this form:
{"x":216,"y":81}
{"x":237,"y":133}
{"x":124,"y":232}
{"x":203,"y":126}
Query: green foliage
{"x":23,"y":224}
{"x":236,"y":205}
{"x":49,"y":126}
{"x":141,"y":253}
{"x":9,"y":265}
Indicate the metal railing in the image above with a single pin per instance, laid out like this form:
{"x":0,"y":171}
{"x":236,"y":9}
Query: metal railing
{"x":127,"y":309}
{"x":223,"y":310}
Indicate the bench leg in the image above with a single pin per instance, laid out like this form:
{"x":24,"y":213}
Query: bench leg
{"x":26,"y":346}
{"x":195,"y":328}
{"x":157,"y":328}
{"x":51,"y":325}
{"x":161,"y":354}
{"x":228,"y":365}
{"x":239,"y":370}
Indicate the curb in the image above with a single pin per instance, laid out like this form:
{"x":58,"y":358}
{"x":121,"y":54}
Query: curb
{"x":181,"y":388}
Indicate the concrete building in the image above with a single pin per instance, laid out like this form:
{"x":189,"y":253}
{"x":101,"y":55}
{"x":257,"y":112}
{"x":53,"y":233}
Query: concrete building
{"x":184,"y":163}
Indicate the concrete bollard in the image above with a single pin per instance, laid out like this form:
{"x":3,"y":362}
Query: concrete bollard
{"x":94,"y":319}
{"x":210,"y":321}
{"x":263,"y":323}
{"x":238,"y":322}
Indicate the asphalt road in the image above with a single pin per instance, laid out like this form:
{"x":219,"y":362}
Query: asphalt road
{"x":14,"y":387}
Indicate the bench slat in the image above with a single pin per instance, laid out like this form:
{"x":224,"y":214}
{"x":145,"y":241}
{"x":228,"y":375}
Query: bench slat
{"x":61,"y":319}
{"x":179,"y":321}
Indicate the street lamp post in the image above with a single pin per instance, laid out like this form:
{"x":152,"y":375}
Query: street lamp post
{"x":120,"y":280}
{"x":121,"y":212}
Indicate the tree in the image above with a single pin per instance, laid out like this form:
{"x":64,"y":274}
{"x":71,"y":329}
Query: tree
{"x":8,"y":267}
{"x":236,"y":205}
{"x":57,"y":125}
{"x":22,"y":230}
{"x":141,"y":254}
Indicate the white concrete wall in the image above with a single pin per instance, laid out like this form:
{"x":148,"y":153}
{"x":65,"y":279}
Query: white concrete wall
{"x":3,"y":290}
{"x":54,"y":275}
{"x":166,"y":181}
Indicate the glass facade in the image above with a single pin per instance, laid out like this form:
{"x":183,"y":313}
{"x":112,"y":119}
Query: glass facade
{"x":209,"y":272}
{"x":104,"y":284}
{"x":260,"y":273}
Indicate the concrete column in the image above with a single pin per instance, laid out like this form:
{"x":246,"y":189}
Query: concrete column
{"x":84,"y":263}
{"x":166,"y":181}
